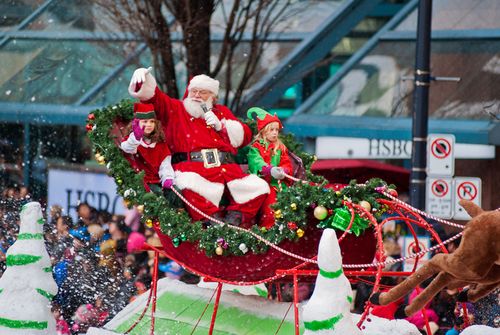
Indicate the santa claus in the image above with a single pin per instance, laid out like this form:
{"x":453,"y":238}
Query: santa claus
{"x":203,"y":137}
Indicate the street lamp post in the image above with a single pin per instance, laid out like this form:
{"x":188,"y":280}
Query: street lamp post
{"x":421,"y":106}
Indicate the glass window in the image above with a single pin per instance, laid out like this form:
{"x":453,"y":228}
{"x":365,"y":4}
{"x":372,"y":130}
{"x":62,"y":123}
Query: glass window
{"x":300,"y":16}
{"x":13,"y":12}
{"x":56,"y":72}
{"x":377,"y":85}
{"x":117,"y":89}
{"x":458,"y":15}
{"x":73,"y":15}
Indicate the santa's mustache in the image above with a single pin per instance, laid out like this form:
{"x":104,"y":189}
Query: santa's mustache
{"x":194,"y":106}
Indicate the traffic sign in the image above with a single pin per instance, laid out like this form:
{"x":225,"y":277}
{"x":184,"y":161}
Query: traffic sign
{"x":440,"y":155}
{"x":409,"y":247}
{"x":439,"y":197}
{"x":468,"y":188}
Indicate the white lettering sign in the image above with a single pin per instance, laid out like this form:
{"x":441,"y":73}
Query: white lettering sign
{"x":70,"y":188}
{"x":363,"y":148}
{"x":439,"y":197}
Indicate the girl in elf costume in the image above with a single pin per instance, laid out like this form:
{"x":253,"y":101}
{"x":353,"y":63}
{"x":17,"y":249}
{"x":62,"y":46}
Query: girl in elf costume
{"x":268,"y":158}
{"x":146,"y":143}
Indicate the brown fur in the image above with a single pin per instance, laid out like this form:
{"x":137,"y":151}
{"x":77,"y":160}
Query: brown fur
{"x":473,"y":263}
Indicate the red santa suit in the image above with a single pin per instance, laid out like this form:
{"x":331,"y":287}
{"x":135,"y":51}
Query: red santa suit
{"x":152,"y":158}
{"x":202,"y":181}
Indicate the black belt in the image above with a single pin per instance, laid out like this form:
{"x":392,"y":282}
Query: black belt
{"x":209,"y":157}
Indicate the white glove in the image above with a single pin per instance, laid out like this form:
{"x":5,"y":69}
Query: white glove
{"x":138,"y":78}
{"x":213,"y":121}
{"x":277,"y":173}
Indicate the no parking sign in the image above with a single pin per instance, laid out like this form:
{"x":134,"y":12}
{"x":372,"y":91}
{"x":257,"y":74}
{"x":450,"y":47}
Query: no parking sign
{"x":439,"y":200}
{"x":468,"y":188}
{"x":440,"y":155}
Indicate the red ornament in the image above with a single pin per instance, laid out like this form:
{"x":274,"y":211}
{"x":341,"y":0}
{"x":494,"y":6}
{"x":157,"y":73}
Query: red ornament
{"x":292,"y":225}
{"x":91,"y":116}
{"x":330,"y":211}
{"x":88,"y":127}
{"x":393,"y":192}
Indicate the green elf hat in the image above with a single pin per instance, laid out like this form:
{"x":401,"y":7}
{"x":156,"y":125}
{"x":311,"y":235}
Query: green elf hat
{"x":262,"y":117}
{"x":144,"y":111}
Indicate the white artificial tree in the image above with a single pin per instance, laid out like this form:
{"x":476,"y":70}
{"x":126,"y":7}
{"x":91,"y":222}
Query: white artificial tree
{"x":328,"y":309}
{"x":27,"y":286}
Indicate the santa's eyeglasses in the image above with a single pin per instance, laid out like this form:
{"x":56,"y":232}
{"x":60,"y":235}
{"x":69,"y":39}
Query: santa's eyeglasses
{"x":195,"y":91}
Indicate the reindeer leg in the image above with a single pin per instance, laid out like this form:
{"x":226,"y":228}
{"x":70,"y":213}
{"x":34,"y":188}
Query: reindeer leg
{"x":405,"y":287}
{"x":437,"y":284}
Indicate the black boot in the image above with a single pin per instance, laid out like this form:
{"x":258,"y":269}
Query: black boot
{"x":207,"y":222}
{"x":234,"y":218}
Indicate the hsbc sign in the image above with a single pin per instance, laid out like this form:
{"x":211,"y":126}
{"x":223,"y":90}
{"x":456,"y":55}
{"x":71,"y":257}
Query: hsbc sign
{"x":329,"y":147}
{"x":389,"y":148}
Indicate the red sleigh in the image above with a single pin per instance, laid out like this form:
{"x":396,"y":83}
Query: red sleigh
{"x":254,"y":268}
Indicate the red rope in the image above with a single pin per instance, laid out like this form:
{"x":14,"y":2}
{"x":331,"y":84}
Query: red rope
{"x":203,"y":313}
{"x":283,"y":320}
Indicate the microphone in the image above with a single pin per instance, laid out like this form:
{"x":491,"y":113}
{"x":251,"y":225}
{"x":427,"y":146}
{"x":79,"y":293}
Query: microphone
{"x":205,"y":111}
{"x":204,"y":107}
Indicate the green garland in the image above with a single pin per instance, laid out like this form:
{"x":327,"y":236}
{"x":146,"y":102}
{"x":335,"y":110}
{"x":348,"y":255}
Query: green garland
{"x":175,"y":222}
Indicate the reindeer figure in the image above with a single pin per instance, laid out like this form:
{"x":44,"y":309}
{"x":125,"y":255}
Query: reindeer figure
{"x":476,"y":262}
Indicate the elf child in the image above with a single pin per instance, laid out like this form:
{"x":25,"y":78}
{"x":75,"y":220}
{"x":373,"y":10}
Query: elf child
{"x":147,"y":144}
{"x":268,"y":158}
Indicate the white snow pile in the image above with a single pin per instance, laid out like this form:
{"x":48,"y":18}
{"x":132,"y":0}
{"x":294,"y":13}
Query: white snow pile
{"x":480,"y":330}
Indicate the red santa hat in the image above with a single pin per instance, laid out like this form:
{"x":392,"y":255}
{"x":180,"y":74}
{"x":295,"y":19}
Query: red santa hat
{"x":262,"y":117}
{"x":204,"y":82}
{"x":144,"y":111}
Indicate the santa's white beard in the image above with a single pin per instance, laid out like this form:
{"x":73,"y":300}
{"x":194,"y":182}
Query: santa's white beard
{"x":193,"y":107}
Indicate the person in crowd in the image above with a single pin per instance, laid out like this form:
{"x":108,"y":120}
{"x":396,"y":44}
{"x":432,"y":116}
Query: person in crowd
{"x":119,"y":233}
{"x":63,"y":239}
{"x":84,"y":212}
{"x":62,"y":326}
{"x":146,"y":142}
{"x":268,"y":158}
{"x":203,"y":137}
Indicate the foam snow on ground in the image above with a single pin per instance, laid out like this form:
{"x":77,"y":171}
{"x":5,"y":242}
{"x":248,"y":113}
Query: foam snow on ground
{"x":374,"y":325}
{"x":480,"y":330}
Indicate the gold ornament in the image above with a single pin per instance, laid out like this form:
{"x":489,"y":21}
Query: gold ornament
{"x":101,"y":160}
{"x":140,"y":209}
{"x":293,"y":206}
{"x":366,"y":205}
{"x":320,"y":213}
{"x":219,"y":251}
{"x":149,"y":223}
{"x":338,"y":193}
{"x":97,"y":155}
{"x":119,"y":181}
{"x":278,"y":214}
{"x":299,"y":233}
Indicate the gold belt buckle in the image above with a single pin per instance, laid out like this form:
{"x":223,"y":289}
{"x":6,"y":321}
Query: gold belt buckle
{"x":210,"y":158}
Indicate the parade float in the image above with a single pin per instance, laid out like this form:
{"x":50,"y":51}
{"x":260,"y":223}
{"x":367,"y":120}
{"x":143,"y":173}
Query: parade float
{"x":228,"y":254}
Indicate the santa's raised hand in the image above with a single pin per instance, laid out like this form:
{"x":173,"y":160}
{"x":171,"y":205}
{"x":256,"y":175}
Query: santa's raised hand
{"x":139,"y":77}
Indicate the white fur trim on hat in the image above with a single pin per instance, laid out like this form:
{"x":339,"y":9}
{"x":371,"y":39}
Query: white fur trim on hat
{"x":235,"y":132}
{"x":247,"y":188}
{"x":204,"y":82}
{"x":196,"y":183}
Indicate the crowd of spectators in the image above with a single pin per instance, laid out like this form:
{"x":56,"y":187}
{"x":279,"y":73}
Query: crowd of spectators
{"x":98,"y":261}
